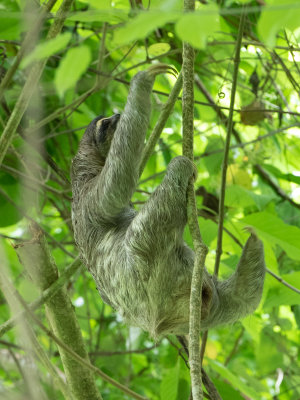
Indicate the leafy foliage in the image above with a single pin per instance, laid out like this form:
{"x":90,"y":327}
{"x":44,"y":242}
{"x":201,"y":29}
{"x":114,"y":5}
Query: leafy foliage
{"x":257,"y":358}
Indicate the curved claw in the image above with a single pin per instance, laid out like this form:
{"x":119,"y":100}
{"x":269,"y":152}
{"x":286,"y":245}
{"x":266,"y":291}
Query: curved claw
{"x":160,"y":68}
{"x":250,"y":230}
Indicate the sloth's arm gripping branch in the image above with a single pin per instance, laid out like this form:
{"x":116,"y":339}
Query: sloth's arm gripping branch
{"x":120,"y":174}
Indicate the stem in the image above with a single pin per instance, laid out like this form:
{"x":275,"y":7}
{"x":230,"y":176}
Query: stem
{"x":199,"y":246}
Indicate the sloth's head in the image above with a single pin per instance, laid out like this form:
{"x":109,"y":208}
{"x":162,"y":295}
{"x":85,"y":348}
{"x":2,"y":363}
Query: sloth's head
{"x":100,"y":132}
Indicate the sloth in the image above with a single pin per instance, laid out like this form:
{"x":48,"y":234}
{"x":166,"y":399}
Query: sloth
{"x":140,"y":263}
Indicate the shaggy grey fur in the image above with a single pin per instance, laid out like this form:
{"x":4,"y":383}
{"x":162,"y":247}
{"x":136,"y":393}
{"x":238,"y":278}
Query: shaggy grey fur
{"x":139,"y":261}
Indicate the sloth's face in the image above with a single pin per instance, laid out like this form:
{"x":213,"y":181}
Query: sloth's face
{"x":103,"y":130}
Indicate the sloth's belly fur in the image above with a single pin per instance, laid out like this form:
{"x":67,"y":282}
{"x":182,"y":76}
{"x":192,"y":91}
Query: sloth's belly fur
{"x":152,"y":294}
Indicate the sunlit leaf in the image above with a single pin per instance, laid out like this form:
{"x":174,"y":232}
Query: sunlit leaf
{"x":196,"y":27}
{"x":112,"y":16}
{"x":140,"y":26}
{"x":158,"y":49}
{"x":234,"y":380}
{"x":169,"y":384}
{"x":277,"y":15}
{"x":71,"y":67}
{"x":47,"y":48}
{"x":276,"y":231}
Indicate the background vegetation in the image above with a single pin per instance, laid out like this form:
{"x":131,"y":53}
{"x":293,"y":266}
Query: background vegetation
{"x":60,"y":73}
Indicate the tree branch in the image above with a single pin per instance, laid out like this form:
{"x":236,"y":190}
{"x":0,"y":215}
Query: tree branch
{"x":199,"y":246}
{"x":37,"y":260}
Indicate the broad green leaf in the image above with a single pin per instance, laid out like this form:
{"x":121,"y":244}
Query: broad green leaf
{"x":234,"y":380}
{"x":213,"y":163}
{"x":267,"y":354}
{"x":226,"y":390}
{"x":253,"y":325}
{"x":276,"y":231}
{"x":280,"y":294}
{"x":71,"y":67}
{"x":165,"y":151}
{"x":47,"y":49}
{"x":276,"y":172}
{"x":296,"y":311}
{"x":142,"y":25}
{"x":209,"y":230}
{"x":99,"y":5}
{"x":112,"y":16}
{"x":9,"y":214}
{"x":197,"y":26}
{"x":10,"y":25}
{"x":277,"y":15}
{"x":237,"y":196}
{"x":169,"y":384}
{"x":158,"y":48}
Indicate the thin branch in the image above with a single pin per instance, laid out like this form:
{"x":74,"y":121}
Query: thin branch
{"x":199,"y":246}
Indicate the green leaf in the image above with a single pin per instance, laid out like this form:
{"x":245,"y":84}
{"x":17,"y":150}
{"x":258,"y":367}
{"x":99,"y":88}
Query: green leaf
{"x":213,"y":163}
{"x":10,"y":25}
{"x":277,"y":15}
{"x":197,"y":26}
{"x":280,"y":294}
{"x":142,"y":25}
{"x":165,"y":151}
{"x":234,"y":380}
{"x":47,"y":49}
{"x":276,"y":231}
{"x":9,"y":213}
{"x":237,"y":196}
{"x":296,"y":311}
{"x":267,"y":354}
{"x":158,"y":48}
{"x":71,"y":67}
{"x":113,"y":16}
{"x":169,"y":384}
{"x":276,"y":172}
